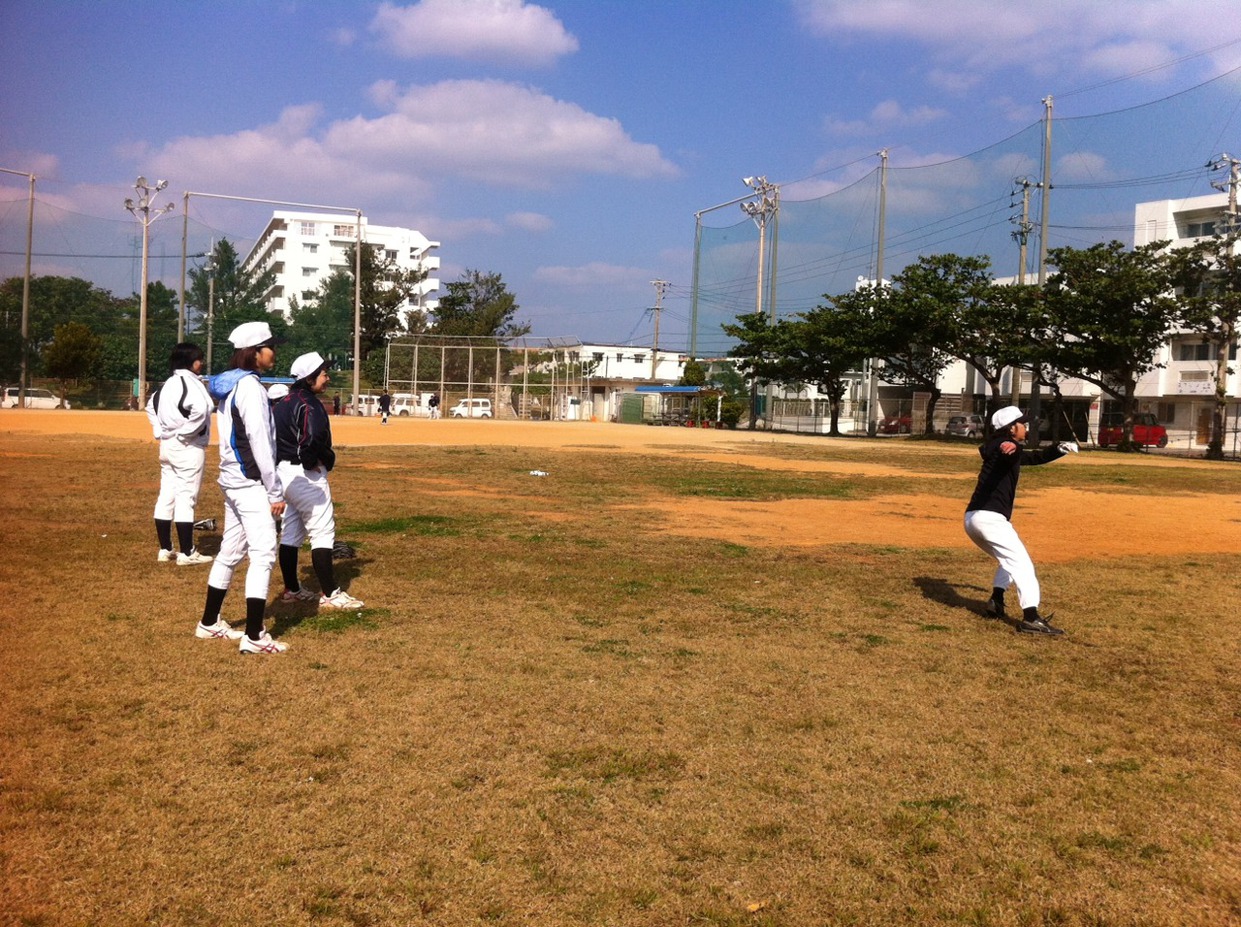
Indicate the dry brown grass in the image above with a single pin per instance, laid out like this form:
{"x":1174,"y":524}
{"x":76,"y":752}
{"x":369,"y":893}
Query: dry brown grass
{"x":558,"y":712}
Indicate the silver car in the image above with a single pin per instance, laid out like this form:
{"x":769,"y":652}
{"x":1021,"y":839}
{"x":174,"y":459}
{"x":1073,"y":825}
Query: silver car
{"x":967,"y":426}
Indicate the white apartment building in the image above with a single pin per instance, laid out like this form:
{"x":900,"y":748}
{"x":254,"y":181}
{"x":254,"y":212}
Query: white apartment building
{"x":305,"y":248}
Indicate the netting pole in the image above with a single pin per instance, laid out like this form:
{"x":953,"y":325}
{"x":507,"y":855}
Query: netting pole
{"x":496,"y":401}
{"x":443,"y":397}
{"x":525,"y":376}
{"x":693,"y":293}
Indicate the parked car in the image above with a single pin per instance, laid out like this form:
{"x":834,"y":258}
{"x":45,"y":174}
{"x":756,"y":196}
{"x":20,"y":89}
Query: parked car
{"x":896,"y":425}
{"x":1147,"y":432}
{"x":967,"y":426}
{"x":35,"y":398}
{"x":471,"y":408}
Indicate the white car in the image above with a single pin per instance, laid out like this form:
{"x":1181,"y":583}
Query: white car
{"x":35,"y":398}
{"x":471,"y":408}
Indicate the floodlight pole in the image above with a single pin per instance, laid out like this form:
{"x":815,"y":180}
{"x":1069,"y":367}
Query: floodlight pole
{"x":760,"y":210}
{"x":21,"y":386}
{"x":357,"y":275}
{"x":144,"y":214}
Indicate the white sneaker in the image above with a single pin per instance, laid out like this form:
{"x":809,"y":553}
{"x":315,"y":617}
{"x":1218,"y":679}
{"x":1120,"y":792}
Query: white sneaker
{"x":221,"y":630}
{"x":302,"y":595}
{"x":263,"y":645}
{"x":166,"y":555}
{"x":339,"y":599}
{"x":192,"y":558}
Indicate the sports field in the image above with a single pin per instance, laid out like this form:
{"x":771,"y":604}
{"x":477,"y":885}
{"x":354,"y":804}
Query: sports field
{"x":687,"y":677}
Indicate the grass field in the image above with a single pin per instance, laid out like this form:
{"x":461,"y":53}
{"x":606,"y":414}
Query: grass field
{"x":682,"y":679}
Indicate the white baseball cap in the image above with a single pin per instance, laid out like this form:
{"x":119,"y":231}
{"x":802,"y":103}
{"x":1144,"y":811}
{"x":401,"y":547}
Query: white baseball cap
{"x":277,"y":391}
{"x":1007,"y":416}
{"x":251,"y":335}
{"x":307,"y":365}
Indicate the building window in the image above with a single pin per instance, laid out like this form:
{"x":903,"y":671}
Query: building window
{"x":308,"y":271}
{"x":309,"y":296}
{"x":1166,"y":412}
{"x":308,"y":228}
{"x":310,"y":247}
{"x":1200,"y":229}
{"x":342,"y":231}
{"x":597,"y":356}
{"x":1195,"y":352}
{"x":620,"y":358}
{"x":639,"y":358}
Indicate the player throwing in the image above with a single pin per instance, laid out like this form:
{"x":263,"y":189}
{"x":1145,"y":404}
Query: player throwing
{"x":988,"y":517}
{"x":304,"y":458}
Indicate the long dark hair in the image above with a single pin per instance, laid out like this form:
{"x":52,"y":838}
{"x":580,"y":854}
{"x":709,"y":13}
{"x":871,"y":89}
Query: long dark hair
{"x":246,"y":358}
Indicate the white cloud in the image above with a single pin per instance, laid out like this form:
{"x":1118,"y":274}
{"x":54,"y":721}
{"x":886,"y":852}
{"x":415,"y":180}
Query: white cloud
{"x":594,"y":274}
{"x":529,"y":221}
{"x":1082,"y":166}
{"x":1061,"y":37}
{"x":489,"y":131}
{"x":886,"y":115}
{"x":480,"y":30}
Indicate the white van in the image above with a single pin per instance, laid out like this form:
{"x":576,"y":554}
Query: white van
{"x":36,"y":398}
{"x":471,"y":408}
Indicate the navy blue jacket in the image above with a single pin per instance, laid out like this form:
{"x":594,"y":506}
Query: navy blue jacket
{"x":303,"y":429}
{"x":997,"y":481}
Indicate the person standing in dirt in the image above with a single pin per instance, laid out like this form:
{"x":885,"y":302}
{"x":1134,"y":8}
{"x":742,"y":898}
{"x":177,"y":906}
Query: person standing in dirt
{"x":385,"y":406}
{"x":434,"y":404}
{"x":988,"y":517}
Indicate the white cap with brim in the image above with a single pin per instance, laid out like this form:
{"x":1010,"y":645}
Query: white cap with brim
{"x":307,"y":365}
{"x":251,"y":335}
{"x":277,"y":391}
{"x":1006,"y":416}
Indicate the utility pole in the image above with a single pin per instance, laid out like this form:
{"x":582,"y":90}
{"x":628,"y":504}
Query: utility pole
{"x":760,"y":210}
{"x":872,"y":381}
{"x":144,"y":213}
{"x":659,"y":305}
{"x":1228,"y":186}
{"x":1022,"y":236}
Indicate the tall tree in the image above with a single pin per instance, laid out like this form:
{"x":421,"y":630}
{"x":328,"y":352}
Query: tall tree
{"x":479,"y":305}
{"x":824,"y":346}
{"x":1209,"y":275}
{"x":386,"y":288}
{"x":1110,"y":311}
{"x":74,"y":353}
{"x":759,"y":354}
{"x":53,"y":301}
{"x":325,"y":323}
{"x":239,"y":295}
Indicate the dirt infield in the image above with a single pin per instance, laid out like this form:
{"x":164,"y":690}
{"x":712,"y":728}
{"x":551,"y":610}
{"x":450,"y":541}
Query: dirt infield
{"x":1058,"y":524}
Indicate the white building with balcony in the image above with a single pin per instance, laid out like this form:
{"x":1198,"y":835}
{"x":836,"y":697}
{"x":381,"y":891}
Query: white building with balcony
{"x":305,"y":248}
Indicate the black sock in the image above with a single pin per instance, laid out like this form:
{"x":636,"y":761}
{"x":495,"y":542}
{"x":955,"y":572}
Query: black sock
{"x":163,"y":531}
{"x":254,"y":618}
{"x":215,"y":601}
{"x":288,"y":567}
{"x":1031,"y":613}
{"x":185,"y":536}
{"x":997,"y":595}
{"x":321,"y":559}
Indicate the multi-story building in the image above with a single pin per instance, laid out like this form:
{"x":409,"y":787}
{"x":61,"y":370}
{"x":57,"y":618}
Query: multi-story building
{"x":305,"y":248}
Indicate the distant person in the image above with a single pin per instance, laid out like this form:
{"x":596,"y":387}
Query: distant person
{"x":304,"y":457}
{"x":336,"y":404}
{"x":988,"y":517}
{"x":253,"y":496}
{"x":180,"y":415}
{"x":434,"y":404}
{"x":385,"y":406}
{"x":276,"y":392}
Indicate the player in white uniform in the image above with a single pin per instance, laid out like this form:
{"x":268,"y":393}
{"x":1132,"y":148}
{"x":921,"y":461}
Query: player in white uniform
{"x":253,"y":496}
{"x":304,"y":458}
{"x":180,"y":417}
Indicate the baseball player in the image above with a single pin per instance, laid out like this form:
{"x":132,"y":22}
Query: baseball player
{"x":988,"y":517}
{"x":253,"y":497}
{"x":304,"y":456}
{"x":385,"y":406}
{"x":180,"y":417}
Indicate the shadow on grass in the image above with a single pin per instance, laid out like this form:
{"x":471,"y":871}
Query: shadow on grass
{"x":938,"y":589}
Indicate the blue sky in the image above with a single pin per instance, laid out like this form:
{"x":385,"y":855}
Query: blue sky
{"x":565,"y":145}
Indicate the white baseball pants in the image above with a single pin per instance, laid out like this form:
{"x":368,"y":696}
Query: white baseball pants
{"x":309,"y":511}
{"x":248,"y":529}
{"x":996,"y":535}
{"x":180,"y":478}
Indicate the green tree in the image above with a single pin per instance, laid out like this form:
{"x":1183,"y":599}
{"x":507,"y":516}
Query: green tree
{"x":385,"y":289}
{"x":74,"y":353}
{"x":1110,"y":311}
{"x":239,"y":296}
{"x":1209,"y":276}
{"x":54,"y":301}
{"x":479,"y":305}
{"x":824,"y":346}
{"x":759,"y":354}
{"x":325,"y":323}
